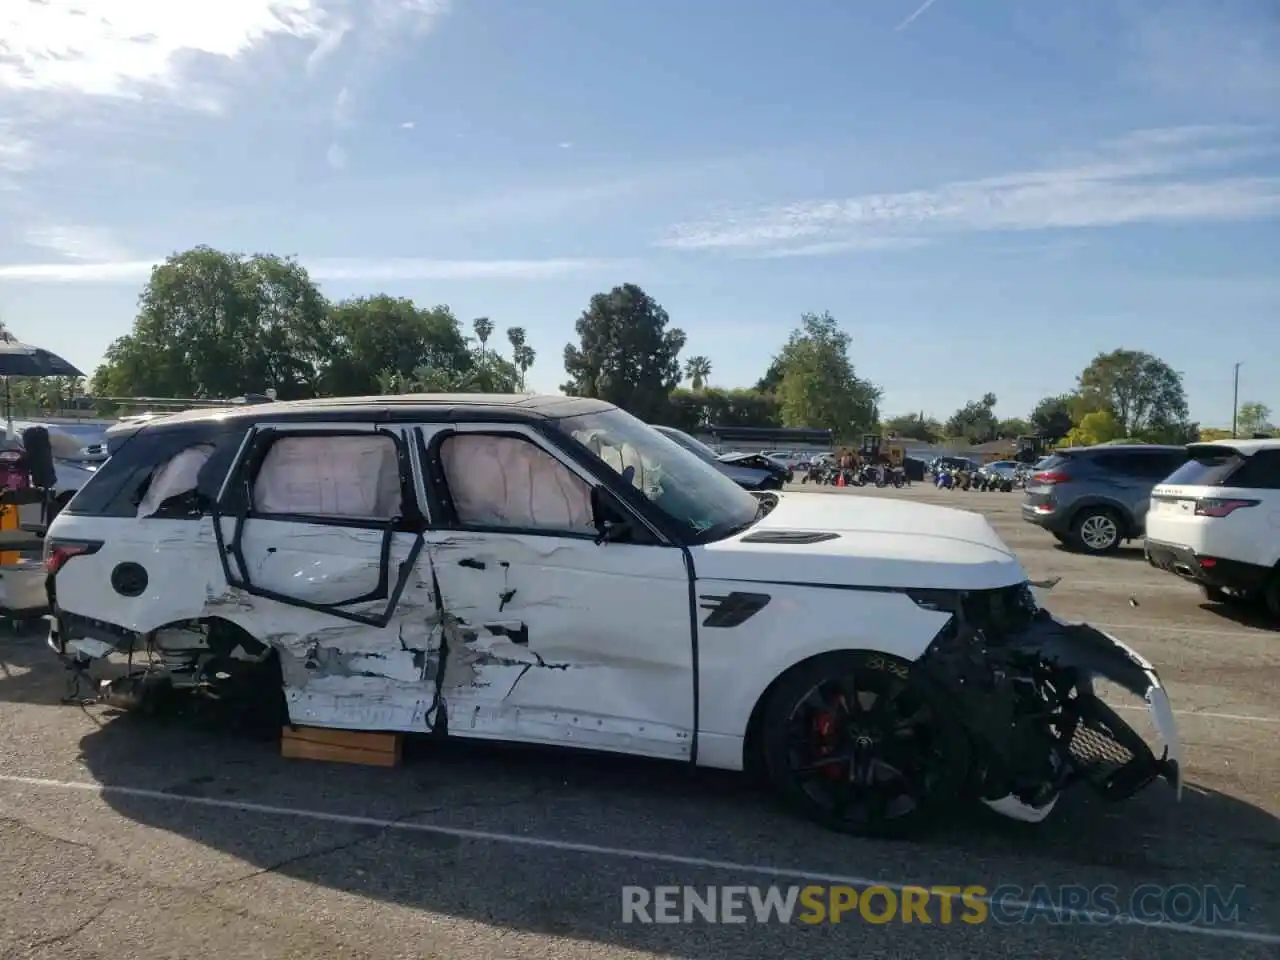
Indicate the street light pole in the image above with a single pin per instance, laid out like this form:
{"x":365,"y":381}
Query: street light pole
{"x":1235,"y":402}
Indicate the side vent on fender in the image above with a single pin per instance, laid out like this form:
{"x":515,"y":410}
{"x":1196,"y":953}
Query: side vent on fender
{"x":796,"y":537}
{"x":734,"y":609}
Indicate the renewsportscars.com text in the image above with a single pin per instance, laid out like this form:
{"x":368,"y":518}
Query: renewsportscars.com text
{"x":1006,"y":904}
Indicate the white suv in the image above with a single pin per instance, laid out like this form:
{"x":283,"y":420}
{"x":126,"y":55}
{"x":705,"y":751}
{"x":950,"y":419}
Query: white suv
{"x":1216,"y":520}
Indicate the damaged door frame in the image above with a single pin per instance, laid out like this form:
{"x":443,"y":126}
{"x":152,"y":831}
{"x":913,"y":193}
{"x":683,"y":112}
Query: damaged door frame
{"x":236,"y":493}
{"x":428,"y":437}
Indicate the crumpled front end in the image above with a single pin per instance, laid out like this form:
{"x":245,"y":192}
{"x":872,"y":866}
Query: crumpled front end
{"x":1023,"y":683}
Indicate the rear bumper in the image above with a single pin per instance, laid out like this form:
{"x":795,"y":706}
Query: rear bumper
{"x":1051,"y":521}
{"x":1209,"y":571}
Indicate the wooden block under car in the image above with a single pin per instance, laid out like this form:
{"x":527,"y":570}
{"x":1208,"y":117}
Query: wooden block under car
{"x":342,"y":746}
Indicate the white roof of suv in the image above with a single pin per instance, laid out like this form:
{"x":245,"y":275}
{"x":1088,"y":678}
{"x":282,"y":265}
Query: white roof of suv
{"x":1246,"y":447}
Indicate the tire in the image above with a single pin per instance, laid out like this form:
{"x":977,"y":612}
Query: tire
{"x":819,"y":726}
{"x":1271,"y":597}
{"x":1097,"y":531}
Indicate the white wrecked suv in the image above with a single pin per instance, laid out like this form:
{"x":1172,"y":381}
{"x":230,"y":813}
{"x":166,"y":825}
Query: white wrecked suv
{"x":551,"y":570}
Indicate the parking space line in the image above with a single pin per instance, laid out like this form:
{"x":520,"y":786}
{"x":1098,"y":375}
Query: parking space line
{"x":620,"y":853}
{"x":1238,"y":717}
{"x":1248,"y":633}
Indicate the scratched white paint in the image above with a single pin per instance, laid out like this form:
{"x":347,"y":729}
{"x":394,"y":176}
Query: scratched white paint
{"x":547,"y":637}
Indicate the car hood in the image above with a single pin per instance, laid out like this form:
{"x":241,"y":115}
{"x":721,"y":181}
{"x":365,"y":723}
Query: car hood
{"x":851,"y":540}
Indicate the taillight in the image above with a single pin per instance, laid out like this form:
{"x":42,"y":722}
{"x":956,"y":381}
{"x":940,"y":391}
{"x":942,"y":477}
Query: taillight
{"x":1050,"y":476}
{"x":58,"y":552}
{"x":1213,"y":507}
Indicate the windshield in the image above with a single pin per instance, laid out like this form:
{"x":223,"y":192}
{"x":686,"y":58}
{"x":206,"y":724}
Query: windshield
{"x":692,"y":444}
{"x":693,"y":493}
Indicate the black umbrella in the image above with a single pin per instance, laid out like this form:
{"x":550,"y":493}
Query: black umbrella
{"x":18,"y":359}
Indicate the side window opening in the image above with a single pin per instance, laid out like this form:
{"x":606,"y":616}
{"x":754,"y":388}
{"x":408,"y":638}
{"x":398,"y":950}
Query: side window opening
{"x":354,"y":477}
{"x":170,"y":489}
{"x":509,"y":482}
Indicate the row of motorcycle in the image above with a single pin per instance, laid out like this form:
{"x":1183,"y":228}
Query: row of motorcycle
{"x":954,"y":478}
{"x":865,"y":475}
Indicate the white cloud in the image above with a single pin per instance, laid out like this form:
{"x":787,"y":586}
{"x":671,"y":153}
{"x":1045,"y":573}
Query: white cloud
{"x":123,"y":48}
{"x":408,"y":125}
{"x":336,"y":156}
{"x":395,"y":269}
{"x":111,"y":47}
{"x":1151,"y":176}
{"x":843,"y":246}
{"x":88,"y":244}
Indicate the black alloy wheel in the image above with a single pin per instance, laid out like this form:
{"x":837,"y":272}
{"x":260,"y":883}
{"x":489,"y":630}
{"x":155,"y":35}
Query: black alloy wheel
{"x":850,"y":742}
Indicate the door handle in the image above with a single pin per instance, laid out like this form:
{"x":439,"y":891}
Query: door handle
{"x":514,"y":630}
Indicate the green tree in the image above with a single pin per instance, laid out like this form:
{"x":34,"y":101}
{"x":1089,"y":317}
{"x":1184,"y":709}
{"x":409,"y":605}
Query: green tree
{"x":975,"y":421}
{"x":1013,"y":427}
{"x":1253,"y":417}
{"x":772,"y":378}
{"x":215,"y":324}
{"x":913,"y":426}
{"x":693,"y":410}
{"x":1141,"y":391}
{"x":1051,"y":417}
{"x":1102,"y":426}
{"x":372,"y":335}
{"x":523,"y":357}
{"x":483,"y":327}
{"x":698,"y":371}
{"x":626,"y":354}
{"x":818,"y":387}
{"x":522,"y":354}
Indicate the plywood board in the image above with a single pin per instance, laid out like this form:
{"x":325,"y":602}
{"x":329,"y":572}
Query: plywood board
{"x":342,"y":746}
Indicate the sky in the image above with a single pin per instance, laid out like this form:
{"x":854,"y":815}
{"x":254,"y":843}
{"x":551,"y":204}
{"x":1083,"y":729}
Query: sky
{"x":984,"y":193}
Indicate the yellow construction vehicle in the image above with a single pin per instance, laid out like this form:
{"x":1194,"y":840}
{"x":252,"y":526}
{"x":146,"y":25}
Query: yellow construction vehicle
{"x":875,"y":449}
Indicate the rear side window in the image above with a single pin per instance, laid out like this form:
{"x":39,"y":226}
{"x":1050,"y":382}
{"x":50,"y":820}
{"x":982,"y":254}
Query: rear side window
{"x":1148,"y":465}
{"x":1054,"y":461}
{"x":166,"y":474}
{"x":1225,"y":467}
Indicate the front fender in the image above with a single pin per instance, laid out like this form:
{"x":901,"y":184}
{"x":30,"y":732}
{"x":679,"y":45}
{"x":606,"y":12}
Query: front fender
{"x":737,"y":664}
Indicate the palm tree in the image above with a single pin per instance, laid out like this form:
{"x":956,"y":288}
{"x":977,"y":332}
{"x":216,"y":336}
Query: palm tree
{"x":517,"y":338}
{"x":524,"y":356}
{"x":698,"y":370}
{"x":484,"y":330}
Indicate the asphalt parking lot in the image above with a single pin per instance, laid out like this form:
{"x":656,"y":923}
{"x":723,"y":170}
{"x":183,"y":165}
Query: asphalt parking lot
{"x":123,"y":836}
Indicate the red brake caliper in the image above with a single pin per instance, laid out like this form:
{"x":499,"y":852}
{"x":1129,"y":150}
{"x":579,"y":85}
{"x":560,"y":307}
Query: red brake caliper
{"x":824,"y":729}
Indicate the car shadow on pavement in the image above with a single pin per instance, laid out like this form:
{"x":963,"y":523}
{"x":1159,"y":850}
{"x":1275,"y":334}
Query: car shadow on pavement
{"x":1127,"y":552}
{"x":625,"y":804}
{"x":30,"y":673}
{"x":1245,"y":615}
{"x":234,"y":795}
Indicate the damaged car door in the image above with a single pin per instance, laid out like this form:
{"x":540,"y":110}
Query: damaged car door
{"x":558,"y":630}
{"x":322,"y":517}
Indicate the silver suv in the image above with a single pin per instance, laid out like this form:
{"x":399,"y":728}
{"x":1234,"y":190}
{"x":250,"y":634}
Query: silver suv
{"x":1094,"y":498}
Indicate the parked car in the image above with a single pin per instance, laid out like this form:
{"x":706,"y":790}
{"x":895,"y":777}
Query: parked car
{"x":1214,"y":521}
{"x":779,"y":471}
{"x":1093,"y":499}
{"x":746,"y":473}
{"x":75,"y":459}
{"x":551,"y":570}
